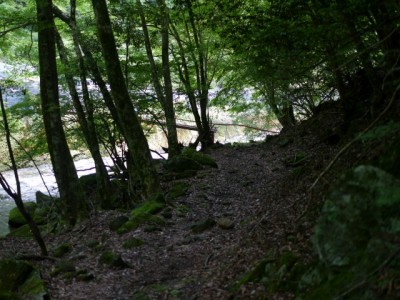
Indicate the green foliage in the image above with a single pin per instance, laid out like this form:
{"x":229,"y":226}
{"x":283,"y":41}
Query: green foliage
{"x":382,"y":132}
{"x":20,"y":280}
{"x":363,"y":215}
{"x":361,"y":208}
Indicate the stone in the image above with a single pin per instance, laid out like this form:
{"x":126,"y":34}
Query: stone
{"x":201,"y":226}
{"x":20,"y":280}
{"x":112,"y":259}
{"x":132,"y":243}
{"x":15,"y":218}
{"x":226,"y":223}
{"x":118,"y":222}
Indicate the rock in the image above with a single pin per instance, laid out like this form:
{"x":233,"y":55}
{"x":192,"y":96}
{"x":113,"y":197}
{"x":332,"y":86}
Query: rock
{"x":226,"y":223}
{"x":19,"y":279}
{"x":65,"y":267}
{"x":181,"y":164}
{"x":203,"y":225}
{"x":15,"y":218}
{"x":199,"y":157}
{"x":176,"y":191}
{"x":43,"y":199}
{"x":132,"y":243}
{"x":118,"y":222}
{"x":113,"y":259}
{"x":62,"y":250}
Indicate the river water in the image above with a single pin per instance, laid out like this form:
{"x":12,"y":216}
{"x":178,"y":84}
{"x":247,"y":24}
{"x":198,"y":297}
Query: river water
{"x":33,"y":180}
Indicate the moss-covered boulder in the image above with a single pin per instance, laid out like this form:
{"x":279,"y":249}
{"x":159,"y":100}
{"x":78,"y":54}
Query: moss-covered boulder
{"x":204,"y":225}
{"x":176,"y":191}
{"x":61,"y":250}
{"x":181,"y":164}
{"x":199,"y":157}
{"x":132,"y":243}
{"x":15,"y":218}
{"x":112,"y":259}
{"x":64,"y":267}
{"x":20,"y":280}
{"x":144,"y":214}
{"x":117,"y":223}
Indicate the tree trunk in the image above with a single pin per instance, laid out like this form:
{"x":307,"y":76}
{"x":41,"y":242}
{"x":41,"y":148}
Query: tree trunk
{"x":164,"y":95}
{"x":17,"y":197}
{"x":87,"y":126}
{"x":134,"y":136}
{"x":63,"y":165}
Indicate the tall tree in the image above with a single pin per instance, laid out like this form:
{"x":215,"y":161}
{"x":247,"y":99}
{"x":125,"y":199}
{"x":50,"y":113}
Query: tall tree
{"x":143,"y":167}
{"x":85,"y":112}
{"x":63,"y":165}
{"x":164,"y":92}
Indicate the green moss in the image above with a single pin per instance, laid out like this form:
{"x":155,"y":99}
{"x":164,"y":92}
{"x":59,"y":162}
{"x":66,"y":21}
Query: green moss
{"x":201,"y":226}
{"x":182,"y":210}
{"x":181,"y":175}
{"x":182,"y":163}
{"x":62,"y":250}
{"x":176,"y":191}
{"x":118,"y":222}
{"x":133,"y":243}
{"x":15,"y":218}
{"x":23,"y":231}
{"x":148,"y":207}
{"x":128,"y":226}
{"x":112,"y":259}
{"x":200,"y":158}
{"x":63,"y":267}
{"x":33,"y":287}
{"x":20,"y":280}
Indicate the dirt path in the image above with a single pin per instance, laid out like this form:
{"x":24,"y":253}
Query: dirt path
{"x":255,"y":187}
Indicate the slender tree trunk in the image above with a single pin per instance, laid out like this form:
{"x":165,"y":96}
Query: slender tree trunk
{"x":87,"y":126}
{"x":164,"y":95}
{"x":17,"y":197}
{"x":206,"y":135}
{"x":135,"y":138}
{"x":184,"y":76}
{"x":63,"y":165}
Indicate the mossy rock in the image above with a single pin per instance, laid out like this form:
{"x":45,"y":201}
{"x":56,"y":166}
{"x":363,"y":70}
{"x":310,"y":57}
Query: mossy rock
{"x":63,"y":267}
{"x":182,"y":163}
{"x":170,"y":176}
{"x":201,"y":226}
{"x":133,"y":243}
{"x":148,"y":207}
{"x":61,"y":250}
{"x":128,"y":226}
{"x":178,"y":190}
{"x":15,"y":218}
{"x":200,"y":158}
{"x":20,"y":280}
{"x":84,"y":275}
{"x":88,"y":181}
{"x":117,"y":223}
{"x":43,"y":199}
{"x":112,"y":259}
{"x":23,"y":231}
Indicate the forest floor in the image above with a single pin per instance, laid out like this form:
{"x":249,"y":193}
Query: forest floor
{"x":262,"y":189}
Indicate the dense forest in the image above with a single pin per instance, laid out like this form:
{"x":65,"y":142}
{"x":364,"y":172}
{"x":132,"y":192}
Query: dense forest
{"x":307,"y":208}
